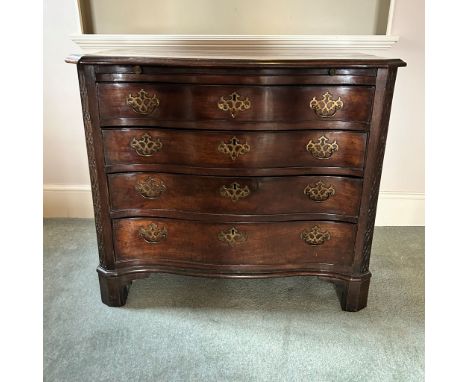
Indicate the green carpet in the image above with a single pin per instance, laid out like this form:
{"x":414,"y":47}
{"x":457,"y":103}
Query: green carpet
{"x":177,"y":328}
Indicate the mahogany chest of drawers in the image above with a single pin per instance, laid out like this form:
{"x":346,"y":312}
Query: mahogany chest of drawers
{"x":235,"y":168}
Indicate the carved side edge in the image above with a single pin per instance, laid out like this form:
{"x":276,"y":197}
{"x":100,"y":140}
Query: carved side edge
{"x":375,"y":174}
{"x":93,"y":172}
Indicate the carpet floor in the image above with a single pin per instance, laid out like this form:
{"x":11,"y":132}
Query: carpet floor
{"x":178,"y":328}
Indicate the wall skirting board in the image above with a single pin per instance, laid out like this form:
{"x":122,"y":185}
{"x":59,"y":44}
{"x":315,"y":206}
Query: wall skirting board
{"x":67,"y":201}
{"x":394,"y":208}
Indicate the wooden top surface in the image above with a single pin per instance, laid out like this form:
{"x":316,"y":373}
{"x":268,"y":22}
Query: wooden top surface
{"x":318,"y":60}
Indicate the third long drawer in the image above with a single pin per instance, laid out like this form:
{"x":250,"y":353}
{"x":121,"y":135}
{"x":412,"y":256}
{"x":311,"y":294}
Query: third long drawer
{"x":144,"y":191}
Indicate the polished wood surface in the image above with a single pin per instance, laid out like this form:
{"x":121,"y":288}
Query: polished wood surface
{"x":267,"y":149}
{"x":255,"y":195}
{"x":267,"y":103}
{"x":217,"y":193}
{"x":264,"y":243}
{"x":364,"y":62}
{"x":288,"y":77}
{"x":281,"y":69}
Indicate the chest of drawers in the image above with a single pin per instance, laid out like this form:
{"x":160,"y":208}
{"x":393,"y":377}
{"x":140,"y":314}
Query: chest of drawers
{"x":235,"y":168}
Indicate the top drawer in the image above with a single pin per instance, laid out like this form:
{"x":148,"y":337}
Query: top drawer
{"x":123,"y":104}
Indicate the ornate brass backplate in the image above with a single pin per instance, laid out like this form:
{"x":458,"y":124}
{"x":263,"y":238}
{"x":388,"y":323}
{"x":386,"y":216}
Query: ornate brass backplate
{"x":153,"y":234}
{"x":322,"y":149}
{"x":327,"y":106}
{"x":315,"y":236}
{"x":234,"y":148}
{"x":142,"y":102}
{"x":232,"y":236}
{"x":150,"y":187}
{"x":234,"y":103}
{"x":146,"y":145}
{"x":319,"y":192}
{"x":234,"y":191}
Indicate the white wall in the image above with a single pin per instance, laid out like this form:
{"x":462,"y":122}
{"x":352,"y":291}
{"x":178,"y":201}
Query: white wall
{"x":237,"y":17}
{"x":66,"y":176}
{"x":403,"y":172}
{"x":64,"y":153}
{"x":66,"y":179}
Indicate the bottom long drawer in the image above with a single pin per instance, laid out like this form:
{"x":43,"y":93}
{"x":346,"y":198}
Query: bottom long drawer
{"x":296,"y":243}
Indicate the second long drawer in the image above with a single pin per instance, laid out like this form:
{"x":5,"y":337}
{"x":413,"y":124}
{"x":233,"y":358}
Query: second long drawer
{"x":233,"y":150}
{"x":235,"y":195}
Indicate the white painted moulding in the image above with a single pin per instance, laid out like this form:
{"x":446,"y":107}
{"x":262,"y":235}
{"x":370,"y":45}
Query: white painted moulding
{"x":277,"y":46}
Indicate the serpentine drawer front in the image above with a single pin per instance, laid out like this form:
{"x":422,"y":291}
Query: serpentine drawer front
{"x":306,"y":243}
{"x":176,"y":102}
{"x":235,"y":168}
{"x":235,"y":149}
{"x":328,"y":197}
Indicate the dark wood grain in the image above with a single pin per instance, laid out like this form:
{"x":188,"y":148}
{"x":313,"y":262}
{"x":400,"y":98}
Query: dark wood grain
{"x":224,"y":73}
{"x":375,"y":155}
{"x":241,"y":79}
{"x":268,"y":103}
{"x":267,"y":149}
{"x":359,"y":61}
{"x":234,"y":125}
{"x":237,"y":171}
{"x":276,"y":168}
{"x":258,"y":196}
{"x":265,"y":243}
{"x":96,"y":164}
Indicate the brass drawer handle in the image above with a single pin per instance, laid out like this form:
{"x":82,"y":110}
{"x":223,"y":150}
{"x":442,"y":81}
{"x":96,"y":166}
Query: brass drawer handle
{"x":150,"y":188}
{"x":146,"y":145}
{"x":234,"y":103}
{"x":234,"y":191}
{"x":327,"y":106}
{"x":153,"y":234}
{"x":315,"y":236}
{"x":234,"y":148}
{"x":322,"y":149}
{"x":232,"y":237}
{"x":142,"y":102}
{"x":319,"y":192}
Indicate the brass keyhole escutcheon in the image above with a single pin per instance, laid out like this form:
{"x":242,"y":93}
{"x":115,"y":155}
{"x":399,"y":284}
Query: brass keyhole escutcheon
{"x":233,"y":148}
{"x":234,"y":191}
{"x":232,"y":236}
{"x":234,"y":103}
